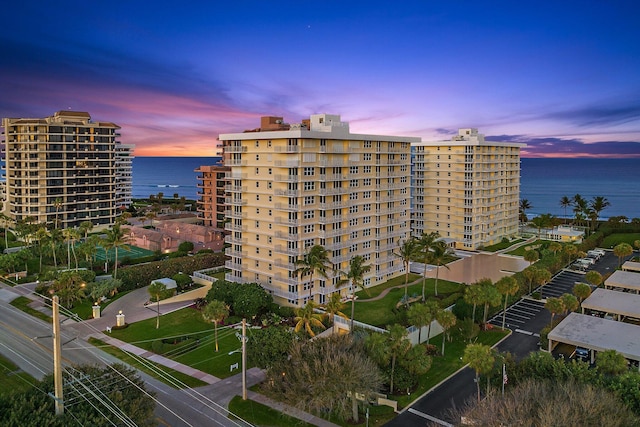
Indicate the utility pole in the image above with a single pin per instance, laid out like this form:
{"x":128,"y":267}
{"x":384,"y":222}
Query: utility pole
{"x":57,"y":357}
{"x":244,"y":359}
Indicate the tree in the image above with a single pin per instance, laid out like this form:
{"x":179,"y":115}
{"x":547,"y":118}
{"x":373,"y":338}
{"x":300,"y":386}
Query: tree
{"x":57,"y":203}
{"x":71,"y":235}
{"x":316,"y":260}
{"x":419,"y":315}
{"x":157,"y":290}
{"x":531,"y":256}
{"x":597,"y":205}
{"x":439,"y":254}
{"x":85,"y":228}
{"x":406,"y":251}
{"x":473,"y":295}
{"x":555,"y":306}
{"x":334,"y":306}
{"x":399,"y":345}
{"x":542,"y":221}
{"x":424,"y":247}
{"x":507,"y":286}
{"x":555,"y":247}
{"x":541,"y":276}
{"x":565,"y":202}
{"x":489,"y":297}
{"x":570,"y":303}
{"x":70,"y":287}
{"x":581,"y":291}
{"x":610,"y":362}
{"x":569,"y":251}
{"x":215,"y":312}
{"x":528,"y":274}
{"x":325,"y":376}
{"x":525,"y":205}
{"x":447,"y":320}
{"x":594,"y":278}
{"x":480,"y":358}
{"x":355,"y":275}
{"x":306,"y":318}
{"x":116,"y":238}
{"x":267,"y":346}
{"x":249,"y":300}
{"x":636,"y":244}
{"x":622,"y":250}
{"x":5,"y":224}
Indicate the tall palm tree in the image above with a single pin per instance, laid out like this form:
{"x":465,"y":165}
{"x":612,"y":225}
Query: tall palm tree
{"x":473,"y":295}
{"x":70,"y":236}
{"x":5,"y":223}
{"x":55,"y":236}
{"x":419,"y":316}
{"x":85,"y":228}
{"x":406,"y":251}
{"x":424,"y":247}
{"x":507,"y":286}
{"x":622,"y":250}
{"x":525,"y":205}
{"x":597,"y":205}
{"x":480,"y":358}
{"x":580,"y":208}
{"x":565,"y":202}
{"x":439,"y":254}
{"x":555,"y":306}
{"x":355,"y":275}
{"x":215,"y":312}
{"x":116,"y":238}
{"x":156,"y":289}
{"x":316,"y":260}
{"x":399,"y":345}
{"x":447,"y":320}
{"x":57,"y":203}
{"x":306,"y":318}
{"x":334,"y":306}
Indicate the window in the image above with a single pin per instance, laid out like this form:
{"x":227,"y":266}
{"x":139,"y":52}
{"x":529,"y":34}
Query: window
{"x":367,"y":144}
{"x":367,"y":157}
{"x":353,"y":183}
{"x":269,"y":185}
{"x":366,"y":220}
{"x":257,"y":197}
{"x":366,"y":169}
{"x":257,"y":250}
{"x":257,"y":171}
{"x":353,"y":170}
{"x":309,"y":214}
{"x":367,"y":207}
{"x":309,"y":200}
{"x":353,"y":196}
{"x":270,"y":171}
{"x":269,"y":144}
{"x":257,"y":157}
{"x":366,"y":232}
{"x":257,"y":184}
{"x":309,"y":228}
{"x":309,"y":185}
{"x":308,"y":171}
{"x":366,"y":195}
{"x":354,"y":235}
{"x":366,"y":182}
{"x":269,"y":212}
{"x":353,"y":209}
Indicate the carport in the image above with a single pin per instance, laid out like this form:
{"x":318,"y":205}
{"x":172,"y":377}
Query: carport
{"x":597,"y":334}
{"x":625,"y":280}
{"x":631,"y":266}
{"x":620,"y":304}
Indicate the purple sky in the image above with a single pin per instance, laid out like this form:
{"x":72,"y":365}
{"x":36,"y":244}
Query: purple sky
{"x":562,"y":76}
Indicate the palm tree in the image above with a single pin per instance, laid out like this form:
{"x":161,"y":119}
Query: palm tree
{"x":85,"y":228}
{"x":116,"y":238}
{"x":525,"y":205}
{"x":581,"y":291}
{"x":447,"y":320}
{"x":424,"y":247}
{"x":565,"y":202}
{"x":399,"y":345}
{"x":315,"y":260}
{"x":531,"y":256}
{"x":439,"y":255}
{"x":489,"y":297}
{"x":594,"y":278}
{"x":355,"y":275}
{"x":55,"y":236}
{"x":622,"y":250}
{"x":5,"y":223}
{"x":156,"y":289}
{"x":334,"y":306}
{"x":570,"y":302}
{"x":151,"y":215}
{"x":480,"y":358}
{"x":555,"y":306}
{"x":70,"y":235}
{"x":473,"y":295}
{"x":419,"y":316}
{"x":597,"y":205}
{"x":215,"y":312}
{"x":406,"y":251}
{"x":57,"y":203}
{"x":306,"y":318}
{"x":542,"y":221}
{"x":580,"y":208}
{"x":507,"y":286}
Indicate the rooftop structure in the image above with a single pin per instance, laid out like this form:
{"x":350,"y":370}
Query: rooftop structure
{"x":626,"y":280}
{"x":621,"y":304}
{"x":467,"y":189}
{"x":293,"y":186}
{"x":65,"y":169}
{"x":631,"y":266}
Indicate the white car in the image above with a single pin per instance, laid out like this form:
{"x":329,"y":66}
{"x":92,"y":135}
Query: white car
{"x":589,"y":261}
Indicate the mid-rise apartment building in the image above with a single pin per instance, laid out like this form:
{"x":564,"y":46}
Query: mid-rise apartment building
{"x":65,"y":169}
{"x":467,"y":189}
{"x":291,"y":187}
{"x":212,"y":183}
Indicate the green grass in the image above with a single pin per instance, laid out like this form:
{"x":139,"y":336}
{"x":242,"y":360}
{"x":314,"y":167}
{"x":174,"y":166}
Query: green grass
{"x":188,"y":381}
{"x":261,"y":415}
{"x":614,"y":239}
{"x":198,"y":351}
{"x":13,"y":380}
{"x":502,"y":245}
{"x":522,"y":249}
{"x":84,"y":309}
{"x":378,"y":289}
{"x":22,"y":303}
{"x":443,"y":366}
{"x":383,"y":312}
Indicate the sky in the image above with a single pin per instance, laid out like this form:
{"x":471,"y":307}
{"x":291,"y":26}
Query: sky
{"x":561,"y":76}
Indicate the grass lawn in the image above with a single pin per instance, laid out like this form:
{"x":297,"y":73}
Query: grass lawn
{"x":383,"y":312}
{"x":84,"y":309}
{"x":377,"y":290}
{"x":22,"y":303}
{"x":502,"y":245}
{"x":443,"y":366}
{"x":614,"y":239}
{"x":13,"y":380}
{"x":522,"y":249}
{"x":188,"y":340}
{"x":261,"y":415}
{"x":188,"y":380}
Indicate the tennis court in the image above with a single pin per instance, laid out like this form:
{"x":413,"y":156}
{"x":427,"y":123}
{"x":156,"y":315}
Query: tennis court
{"x":133,"y":253}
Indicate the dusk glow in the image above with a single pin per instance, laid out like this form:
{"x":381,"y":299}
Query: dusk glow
{"x":563,"y":77}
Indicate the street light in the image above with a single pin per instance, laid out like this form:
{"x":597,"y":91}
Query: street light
{"x":243,"y":339}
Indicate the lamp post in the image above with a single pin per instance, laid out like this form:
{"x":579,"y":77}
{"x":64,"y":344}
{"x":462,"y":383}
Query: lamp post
{"x":243,"y":339}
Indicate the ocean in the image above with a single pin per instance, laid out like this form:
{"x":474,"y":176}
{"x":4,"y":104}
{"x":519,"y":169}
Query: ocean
{"x":543,"y":181}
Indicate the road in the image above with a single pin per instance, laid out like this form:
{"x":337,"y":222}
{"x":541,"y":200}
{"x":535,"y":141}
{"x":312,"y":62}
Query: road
{"x":18,"y":342}
{"x":525,"y":318}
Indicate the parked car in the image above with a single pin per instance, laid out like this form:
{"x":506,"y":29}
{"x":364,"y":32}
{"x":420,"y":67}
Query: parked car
{"x":589,"y":261}
{"x":598,"y":251}
{"x":594,"y":254}
{"x":581,"y":353}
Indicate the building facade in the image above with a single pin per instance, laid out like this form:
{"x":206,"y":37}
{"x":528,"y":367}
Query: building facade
{"x":212,"y":183}
{"x":65,"y":169}
{"x":467,"y":189}
{"x":291,"y":187}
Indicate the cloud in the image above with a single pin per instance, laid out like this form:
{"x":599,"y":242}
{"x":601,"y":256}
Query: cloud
{"x":570,"y":147}
{"x":599,"y":115}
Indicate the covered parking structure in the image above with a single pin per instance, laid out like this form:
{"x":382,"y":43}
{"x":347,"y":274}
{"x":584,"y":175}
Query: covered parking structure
{"x":618,"y":304}
{"x":597,"y":334}
{"x":624,"y":280}
{"x":631,"y":266}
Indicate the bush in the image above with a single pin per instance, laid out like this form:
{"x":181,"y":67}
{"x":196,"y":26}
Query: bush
{"x":157,"y":346}
{"x":450,"y":299}
{"x":185,"y":247}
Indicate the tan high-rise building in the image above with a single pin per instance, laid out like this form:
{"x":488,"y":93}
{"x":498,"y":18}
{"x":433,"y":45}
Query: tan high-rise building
{"x":467,"y":189}
{"x":65,"y":169}
{"x":291,"y":187}
{"x":212,"y":183}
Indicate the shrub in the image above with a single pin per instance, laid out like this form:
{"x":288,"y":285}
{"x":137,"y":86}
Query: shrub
{"x":185,"y":247}
{"x":157,"y":346}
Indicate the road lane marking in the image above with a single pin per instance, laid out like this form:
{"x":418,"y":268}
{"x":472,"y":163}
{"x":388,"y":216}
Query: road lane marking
{"x":430,"y":418}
